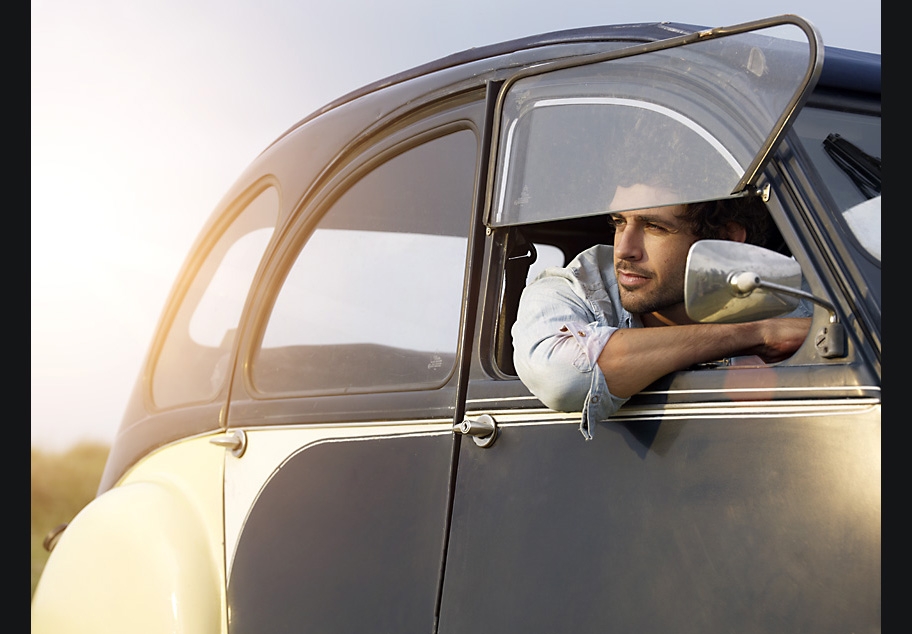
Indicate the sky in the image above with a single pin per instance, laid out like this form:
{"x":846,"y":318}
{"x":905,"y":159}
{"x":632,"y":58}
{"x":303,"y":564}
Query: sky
{"x":143,"y":113}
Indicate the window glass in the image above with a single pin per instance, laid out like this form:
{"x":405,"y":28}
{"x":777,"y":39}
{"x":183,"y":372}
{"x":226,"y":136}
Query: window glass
{"x":373,"y":300}
{"x":220,"y":308}
{"x":195,"y":357}
{"x":547,"y":256}
{"x":845,"y":149}
{"x":569,"y":156}
{"x":693,"y":122}
{"x":864,"y":221}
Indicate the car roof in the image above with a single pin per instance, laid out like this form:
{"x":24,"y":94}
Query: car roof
{"x":845,"y":69}
{"x":641,"y":32}
{"x":842,"y":69}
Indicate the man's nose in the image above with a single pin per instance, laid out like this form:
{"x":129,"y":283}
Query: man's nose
{"x":628,"y":243}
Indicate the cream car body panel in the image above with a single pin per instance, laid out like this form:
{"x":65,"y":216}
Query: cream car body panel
{"x":145,"y":556}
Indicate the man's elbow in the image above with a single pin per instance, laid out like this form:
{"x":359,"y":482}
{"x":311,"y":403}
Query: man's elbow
{"x":559,"y":389}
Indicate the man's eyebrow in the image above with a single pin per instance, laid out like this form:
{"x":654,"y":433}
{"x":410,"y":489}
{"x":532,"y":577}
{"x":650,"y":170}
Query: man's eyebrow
{"x":646,"y":217}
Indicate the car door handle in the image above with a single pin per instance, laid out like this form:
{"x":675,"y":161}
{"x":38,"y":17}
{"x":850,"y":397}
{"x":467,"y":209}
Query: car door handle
{"x":236,"y":441}
{"x":483,"y":430}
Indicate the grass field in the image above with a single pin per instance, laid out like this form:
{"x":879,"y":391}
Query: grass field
{"x":62,"y":483}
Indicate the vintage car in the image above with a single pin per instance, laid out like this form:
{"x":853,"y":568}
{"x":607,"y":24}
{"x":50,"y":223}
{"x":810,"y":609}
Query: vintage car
{"x":329,"y":435}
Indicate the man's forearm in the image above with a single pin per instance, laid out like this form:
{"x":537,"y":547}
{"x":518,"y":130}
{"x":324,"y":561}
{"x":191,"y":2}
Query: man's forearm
{"x":635,"y":357}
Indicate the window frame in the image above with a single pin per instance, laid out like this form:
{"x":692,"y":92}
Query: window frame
{"x":220,"y":239}
{"x":748,"y":139}
{"x":847,"y":377}
{"x":250,"y":407}
{"x":428,"y":216}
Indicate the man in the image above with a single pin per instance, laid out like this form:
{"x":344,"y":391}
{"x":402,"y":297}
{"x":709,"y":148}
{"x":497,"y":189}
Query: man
{"x":591,"y":335}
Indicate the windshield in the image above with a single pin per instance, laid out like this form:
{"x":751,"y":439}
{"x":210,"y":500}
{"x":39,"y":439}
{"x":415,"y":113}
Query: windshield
{"x":692,"y":122}
{"x":845,"y":150}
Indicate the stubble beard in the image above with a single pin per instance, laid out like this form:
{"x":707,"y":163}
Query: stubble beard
{"x":638,"y":301}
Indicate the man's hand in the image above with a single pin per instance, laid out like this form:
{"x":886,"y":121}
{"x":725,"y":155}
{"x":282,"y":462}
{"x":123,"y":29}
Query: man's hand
{"x":780,"y":338}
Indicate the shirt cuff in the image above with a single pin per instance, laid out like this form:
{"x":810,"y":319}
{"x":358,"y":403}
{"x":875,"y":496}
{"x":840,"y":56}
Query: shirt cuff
{"x":600,"y":403}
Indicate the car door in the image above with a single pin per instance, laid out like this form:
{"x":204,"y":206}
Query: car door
{"x":723,"y":498}
{"x":337,"y":488}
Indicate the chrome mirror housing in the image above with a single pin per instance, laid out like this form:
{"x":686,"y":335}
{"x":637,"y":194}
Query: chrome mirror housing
{"x":732,"y":282}
{"x":728,"y":282}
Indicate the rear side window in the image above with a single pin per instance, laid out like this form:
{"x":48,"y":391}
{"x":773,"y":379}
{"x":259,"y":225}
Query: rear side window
{"x":195,"y":357}
{"x":373,"y":300}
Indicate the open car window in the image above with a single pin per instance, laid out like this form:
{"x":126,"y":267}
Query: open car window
{"x":695,"y":120}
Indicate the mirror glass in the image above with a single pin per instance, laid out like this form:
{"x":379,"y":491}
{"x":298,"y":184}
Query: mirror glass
{"x":709,"y":295}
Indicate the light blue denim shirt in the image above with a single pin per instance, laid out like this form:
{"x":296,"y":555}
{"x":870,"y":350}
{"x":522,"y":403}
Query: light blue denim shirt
{"x":565,"y":318}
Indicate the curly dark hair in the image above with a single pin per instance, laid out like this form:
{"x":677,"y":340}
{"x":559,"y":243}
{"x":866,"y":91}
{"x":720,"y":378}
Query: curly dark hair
{"x":708,"y":219}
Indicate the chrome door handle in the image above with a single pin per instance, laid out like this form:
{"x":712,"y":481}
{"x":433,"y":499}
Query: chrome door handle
{"x":235,"y":441}
{"x":483,"y":430}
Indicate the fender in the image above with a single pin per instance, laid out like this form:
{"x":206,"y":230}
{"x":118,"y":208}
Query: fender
{"x":142,"y":557}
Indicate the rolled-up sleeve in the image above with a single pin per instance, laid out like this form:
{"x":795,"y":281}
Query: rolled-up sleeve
{"x":557,"y":340}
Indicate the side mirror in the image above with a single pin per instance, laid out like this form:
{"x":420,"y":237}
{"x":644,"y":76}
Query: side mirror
{"x":714,"y":282}
{"x":733,"y":282}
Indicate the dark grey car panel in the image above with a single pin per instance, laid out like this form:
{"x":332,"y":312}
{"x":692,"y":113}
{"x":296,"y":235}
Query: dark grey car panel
{"x":358,"y":545}
{"x":677,"y":524}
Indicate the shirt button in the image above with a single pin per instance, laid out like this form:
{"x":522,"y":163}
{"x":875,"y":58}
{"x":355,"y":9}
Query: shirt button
{"x":580,"y":333}
{"x":594,"y":399}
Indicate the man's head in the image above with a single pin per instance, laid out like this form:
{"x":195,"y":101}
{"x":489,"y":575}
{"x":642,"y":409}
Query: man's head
{"x":651,"y":245}
{"x":716,"y":220}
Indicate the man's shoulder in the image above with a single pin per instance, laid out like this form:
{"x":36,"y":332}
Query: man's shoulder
{"x":589,"y":271}
{"x":595,"y":264}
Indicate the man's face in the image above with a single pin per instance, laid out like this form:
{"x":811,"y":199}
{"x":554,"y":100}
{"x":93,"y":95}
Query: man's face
{"x":650,"y":253}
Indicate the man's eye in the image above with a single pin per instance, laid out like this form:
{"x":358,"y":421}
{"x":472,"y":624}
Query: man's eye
{"x":616,"y":221}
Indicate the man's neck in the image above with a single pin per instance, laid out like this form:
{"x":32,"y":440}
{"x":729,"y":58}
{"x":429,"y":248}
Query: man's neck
{"x":672,"y":317}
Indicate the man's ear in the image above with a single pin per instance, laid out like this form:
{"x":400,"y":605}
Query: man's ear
{"x":735,"y":232}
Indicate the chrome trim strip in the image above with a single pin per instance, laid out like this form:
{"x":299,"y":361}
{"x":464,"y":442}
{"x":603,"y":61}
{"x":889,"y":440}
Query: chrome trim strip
{"x":752,"y":409}
{"x":719,"y":392}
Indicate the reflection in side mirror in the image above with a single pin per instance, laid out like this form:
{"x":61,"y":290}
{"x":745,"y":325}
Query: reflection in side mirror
{"x":728,"y":282}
